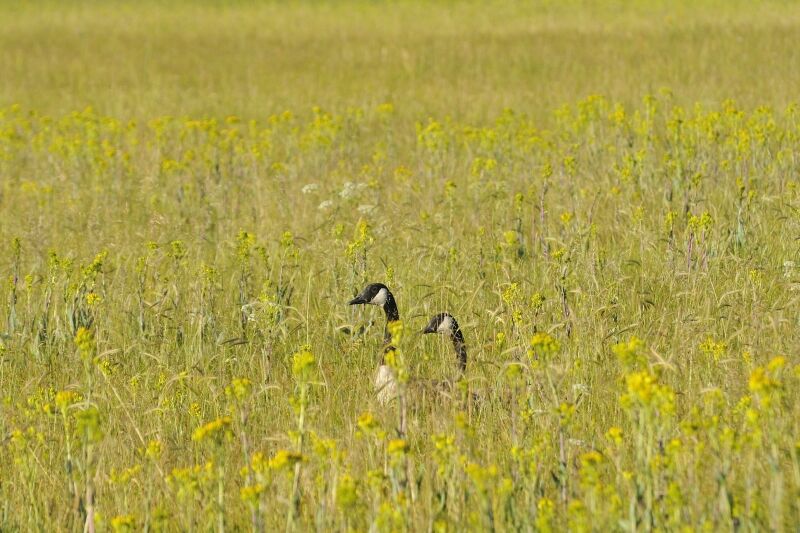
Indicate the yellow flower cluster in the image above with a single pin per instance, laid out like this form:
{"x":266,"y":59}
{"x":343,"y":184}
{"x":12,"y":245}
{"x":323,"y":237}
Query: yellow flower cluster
{"x":630,"y":354}
{"x":482,"y":476}
{"x":714,"y":349}
{"x":303,"y":365}
{"x":766,"y":382}
{"x":189,"y":481}
{"x":285,"y":459}
{"x":84,"y":340}
{"x":397,"y":447}
{"x":153,"y":450}
{"x":65,"y":398}
{"x":644,"y":391}
{"x":251,"y":493}
{"x":239,"y":389}
{"x":542,"y":345}
{"x":216,"y":430}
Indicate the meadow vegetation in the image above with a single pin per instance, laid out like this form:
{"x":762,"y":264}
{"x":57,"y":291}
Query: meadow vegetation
{"x":190,"y":196}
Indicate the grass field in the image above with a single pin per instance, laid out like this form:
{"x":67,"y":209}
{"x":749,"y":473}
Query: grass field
{"x":606,"y":196}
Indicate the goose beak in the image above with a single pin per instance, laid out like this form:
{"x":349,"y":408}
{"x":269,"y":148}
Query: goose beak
{"x":430,"y":328}
{"x":358,"y":300}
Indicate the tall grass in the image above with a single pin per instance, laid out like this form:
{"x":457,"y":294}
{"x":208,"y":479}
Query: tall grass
{"x":177,"y":352}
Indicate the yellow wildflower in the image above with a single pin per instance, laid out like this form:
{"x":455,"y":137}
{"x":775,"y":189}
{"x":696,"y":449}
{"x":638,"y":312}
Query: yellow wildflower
{"x":285,"y":459}
{"x":215,"y":429}
{"x":397,"y":447}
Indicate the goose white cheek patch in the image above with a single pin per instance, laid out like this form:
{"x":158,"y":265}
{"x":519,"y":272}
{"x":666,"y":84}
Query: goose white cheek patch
{"x":445,"y":326}
{"x":380,"y":298}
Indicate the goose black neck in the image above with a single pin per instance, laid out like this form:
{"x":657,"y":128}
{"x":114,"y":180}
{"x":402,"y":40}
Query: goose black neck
{"x":390,"y":308}
{"x":392,"y":315}
{"x":460,"y":348}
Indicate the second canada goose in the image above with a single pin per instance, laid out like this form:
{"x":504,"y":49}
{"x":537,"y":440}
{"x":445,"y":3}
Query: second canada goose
{"x":446,"y":324}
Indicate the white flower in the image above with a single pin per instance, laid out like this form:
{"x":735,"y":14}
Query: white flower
{"x":788,"y":269}
{"x":366,"y":208}
{"x":579,"y":388}
{"x":327,"y":204}
{"x":351,"y":189}
{"x":311,"y":187}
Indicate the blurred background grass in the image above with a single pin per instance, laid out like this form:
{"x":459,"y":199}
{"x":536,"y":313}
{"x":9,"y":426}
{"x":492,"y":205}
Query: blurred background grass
{"x":467,"y":59}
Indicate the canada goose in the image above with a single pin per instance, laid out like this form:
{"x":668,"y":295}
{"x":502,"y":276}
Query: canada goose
{"x":385,"y":382}
{"x":380,"y":295}
{"x":446,"y":324}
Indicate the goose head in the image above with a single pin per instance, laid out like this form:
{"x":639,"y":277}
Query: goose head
{"x":373,"y":294}
{"x":446,"y":324}
{"x":443,"y":324}
{"x":380,"y":295}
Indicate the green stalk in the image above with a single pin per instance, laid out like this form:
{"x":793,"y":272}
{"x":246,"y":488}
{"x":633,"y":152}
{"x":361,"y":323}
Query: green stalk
{"x":220,"y":496}
{"x":294,"y":505}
